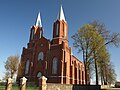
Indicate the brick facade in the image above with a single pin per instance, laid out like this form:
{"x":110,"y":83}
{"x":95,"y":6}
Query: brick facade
{"x":53,"y":59}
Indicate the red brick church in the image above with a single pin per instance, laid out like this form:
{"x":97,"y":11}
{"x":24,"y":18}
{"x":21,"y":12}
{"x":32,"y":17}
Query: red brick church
{"x":51,"y":58}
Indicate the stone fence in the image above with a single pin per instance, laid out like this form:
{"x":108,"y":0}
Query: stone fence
{"x":52,"y":86}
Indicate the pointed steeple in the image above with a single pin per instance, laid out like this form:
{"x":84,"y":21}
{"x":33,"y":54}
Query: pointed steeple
{"x":61,"y":14}
{"x":38,"y":21}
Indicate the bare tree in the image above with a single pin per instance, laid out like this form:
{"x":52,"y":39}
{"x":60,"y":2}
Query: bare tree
{"x":110,"y":38}
{"x":107,"y":72}
{"x":7,"y":75}
{"x":11,"y":65}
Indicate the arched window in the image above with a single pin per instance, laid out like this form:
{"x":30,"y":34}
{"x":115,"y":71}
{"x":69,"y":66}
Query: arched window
{"x":40,"y":56}
{"x":39,"y":74}
{"x":54,"y":68}
{"x":27,"y":67}
{"x":57,"y":28}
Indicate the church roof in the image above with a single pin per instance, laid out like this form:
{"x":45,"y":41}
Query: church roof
{"x":38,"y":21}
{"x":61,"y":14}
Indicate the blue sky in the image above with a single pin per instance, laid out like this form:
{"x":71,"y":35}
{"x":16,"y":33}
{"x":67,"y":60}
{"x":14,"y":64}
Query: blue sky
{"x":17,"y":16}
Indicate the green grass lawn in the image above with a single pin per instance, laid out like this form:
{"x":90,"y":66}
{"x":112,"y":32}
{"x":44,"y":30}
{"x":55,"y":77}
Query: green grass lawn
{"x":2,"y":87}
{"x":36,"y":88}
{"x":17,"y":88}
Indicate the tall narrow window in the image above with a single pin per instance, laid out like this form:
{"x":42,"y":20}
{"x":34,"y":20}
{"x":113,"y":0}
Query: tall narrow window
{"x":32,"y":34}
{"x":65,"y":33}
{"x":57,"y":29}
{"x":40,"y":34}
{"x":82,"y":75}
{"x":54,"y":68}
{"x":40,"y":56}
{"x":79,"y":71}
{"x":27,"y":67}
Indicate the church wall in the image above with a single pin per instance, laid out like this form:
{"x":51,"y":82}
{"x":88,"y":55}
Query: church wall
{"x":77,"y":67}
{"x":53,"y":58}
{"x":42,"y":45}
{"x":55,"y":51}
{"x":26,"y":55}
{"x":67,"y":61}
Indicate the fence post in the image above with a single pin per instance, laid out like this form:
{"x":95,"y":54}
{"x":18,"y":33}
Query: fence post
{"x":42,"y":83}
{"x":9,"y":84}
{"x":23,"y":83}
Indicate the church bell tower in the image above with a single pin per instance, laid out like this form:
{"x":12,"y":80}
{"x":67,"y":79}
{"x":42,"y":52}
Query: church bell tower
{"x":36,"y":32}
{"x":60,"y":29}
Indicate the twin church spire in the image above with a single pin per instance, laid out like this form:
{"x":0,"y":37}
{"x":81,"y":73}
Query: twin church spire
{"x":59,"y":29}
{"x":59,"y":17}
